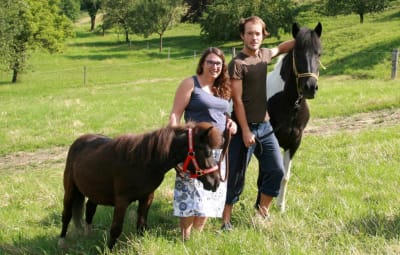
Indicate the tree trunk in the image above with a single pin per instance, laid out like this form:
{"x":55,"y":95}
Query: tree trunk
{"x":126,"y":36}
{"x":361,"y":18}
{"x":161,"y":42}
{"x":15,"y":76}
{"x":92,"y":22}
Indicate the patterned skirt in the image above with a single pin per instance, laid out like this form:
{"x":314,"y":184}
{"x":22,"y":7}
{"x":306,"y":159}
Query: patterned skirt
{"x":191,"y":199}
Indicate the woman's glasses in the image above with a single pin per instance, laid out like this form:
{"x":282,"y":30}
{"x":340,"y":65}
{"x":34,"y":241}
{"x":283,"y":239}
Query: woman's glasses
{"x":212,"y":63}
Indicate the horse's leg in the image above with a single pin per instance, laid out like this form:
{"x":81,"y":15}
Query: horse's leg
{"x":90,"y":211}
{"x":117,"y":223}
{"x":287,"y":163}
{"x":143,"y":210}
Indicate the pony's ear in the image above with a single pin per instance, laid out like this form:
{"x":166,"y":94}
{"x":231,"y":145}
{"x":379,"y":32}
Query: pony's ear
{"x":295,"y":29}
{"x":318,"y":29}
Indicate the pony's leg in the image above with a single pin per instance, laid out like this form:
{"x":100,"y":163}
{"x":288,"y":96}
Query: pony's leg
{"x":90,"y":211}
{"x":118,"y":220}
{"x":143,"y":210}
{"x":287,"y":163}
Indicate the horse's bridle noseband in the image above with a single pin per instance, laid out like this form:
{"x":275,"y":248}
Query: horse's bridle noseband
{"x":301,"y":75}
{"x":191,"y":157}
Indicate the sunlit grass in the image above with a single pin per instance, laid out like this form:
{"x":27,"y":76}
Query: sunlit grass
{"x":342,"y":196}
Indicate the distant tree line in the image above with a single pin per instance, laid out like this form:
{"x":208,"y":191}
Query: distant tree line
{"x":26,"y":25}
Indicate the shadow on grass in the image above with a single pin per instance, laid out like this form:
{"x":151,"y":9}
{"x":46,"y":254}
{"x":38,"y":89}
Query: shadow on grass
{"x":160,"y":222}
{"x":364,"y":59}
{"x":5,"y":83}
{"x":392,"y":17}
{"x":384,"y":226}
{"x":182,"y":46}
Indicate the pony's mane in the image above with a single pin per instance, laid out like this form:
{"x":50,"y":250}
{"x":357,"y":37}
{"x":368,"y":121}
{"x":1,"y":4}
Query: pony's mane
{"x":147,"y":146}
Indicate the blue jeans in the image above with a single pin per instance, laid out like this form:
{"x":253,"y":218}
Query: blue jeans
{"x":270,"y":162}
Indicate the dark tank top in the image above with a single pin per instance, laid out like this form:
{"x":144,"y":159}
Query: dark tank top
{"x":206,"y":107}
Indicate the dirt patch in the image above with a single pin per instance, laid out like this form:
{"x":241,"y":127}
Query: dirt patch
{"x":353,"y":123}
{"x":55,"y":157}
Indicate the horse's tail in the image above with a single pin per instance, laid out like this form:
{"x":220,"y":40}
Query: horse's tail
{"x":77,"y":210}
{"x":73,"y":196}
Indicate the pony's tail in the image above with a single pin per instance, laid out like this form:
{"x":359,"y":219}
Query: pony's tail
{"x":77,"y":210}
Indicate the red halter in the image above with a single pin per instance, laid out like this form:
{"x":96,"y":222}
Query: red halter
{"x":191,"y":157}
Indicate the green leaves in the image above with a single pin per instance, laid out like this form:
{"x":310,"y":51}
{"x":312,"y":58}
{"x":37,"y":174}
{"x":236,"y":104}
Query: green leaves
{"x":29,"y":25}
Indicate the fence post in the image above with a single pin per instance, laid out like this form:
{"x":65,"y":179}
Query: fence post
{"x":233,"y":52}
{"x":84,"y":75}
{"x":395,"y":60}
{"x":194,"y":54}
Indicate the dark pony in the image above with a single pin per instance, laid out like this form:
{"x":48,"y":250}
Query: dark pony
{"x":293,"y":80}
{"x":116,"y":172}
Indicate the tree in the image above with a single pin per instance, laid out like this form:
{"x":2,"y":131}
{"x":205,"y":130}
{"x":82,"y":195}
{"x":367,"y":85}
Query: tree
{"x":118,"y":12}
{"x":92,"y":7}
{"x":360,"y":7}
{"x":220,"y":20}
{"x":168,"y":13}
{"x":71,"y":8}
{"x":195,"y":10}
{"x":27,"y":25}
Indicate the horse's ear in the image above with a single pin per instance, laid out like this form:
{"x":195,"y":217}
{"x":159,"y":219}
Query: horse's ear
{"x":318,"y":29}
{"x":295,"y":29}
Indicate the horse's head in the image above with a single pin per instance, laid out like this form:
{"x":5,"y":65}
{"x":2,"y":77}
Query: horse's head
{"x":306,"y":59}
{"x":202,"y":138}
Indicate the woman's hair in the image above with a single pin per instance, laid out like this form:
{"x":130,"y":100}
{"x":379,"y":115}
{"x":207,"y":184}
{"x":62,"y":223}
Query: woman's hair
{"x":221,"y":87}
{"x":253,"y":19}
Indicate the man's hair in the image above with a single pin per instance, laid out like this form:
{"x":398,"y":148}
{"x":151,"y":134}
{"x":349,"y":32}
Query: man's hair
{"x":253,"y":19}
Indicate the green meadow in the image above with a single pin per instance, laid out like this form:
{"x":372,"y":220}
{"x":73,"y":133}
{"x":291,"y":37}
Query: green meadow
{"x":343,"y":194}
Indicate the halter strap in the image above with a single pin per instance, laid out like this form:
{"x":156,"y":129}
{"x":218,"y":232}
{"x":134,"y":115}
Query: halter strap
{"x":301,"y":75}
{"x":191,"y":157}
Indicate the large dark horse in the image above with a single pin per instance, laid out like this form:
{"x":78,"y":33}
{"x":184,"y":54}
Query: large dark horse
{"x":293,"y":80}
{"x":116,"y":172}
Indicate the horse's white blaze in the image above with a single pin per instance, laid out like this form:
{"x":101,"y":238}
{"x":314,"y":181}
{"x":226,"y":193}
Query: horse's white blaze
{"x":275,"y":84}
{"x":287,"y":163}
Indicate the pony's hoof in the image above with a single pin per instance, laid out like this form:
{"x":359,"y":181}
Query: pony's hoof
{"x":88,"y":229}
{"x":62,"y":244}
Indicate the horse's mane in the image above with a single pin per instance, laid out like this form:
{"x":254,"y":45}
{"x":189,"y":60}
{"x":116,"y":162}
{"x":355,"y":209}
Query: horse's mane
{"x":309,"y":39}
{"x":148,"y":146}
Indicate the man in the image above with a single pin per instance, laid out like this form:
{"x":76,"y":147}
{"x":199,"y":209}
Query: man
{"x":248,"y":72}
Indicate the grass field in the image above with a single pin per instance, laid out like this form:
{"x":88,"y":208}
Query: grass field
{"x":343,"y":195}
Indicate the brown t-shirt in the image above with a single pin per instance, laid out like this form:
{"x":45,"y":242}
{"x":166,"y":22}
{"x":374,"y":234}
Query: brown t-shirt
{"x":253,"y":73}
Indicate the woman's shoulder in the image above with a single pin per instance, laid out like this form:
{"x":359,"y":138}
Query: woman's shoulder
{"x":188,"y":82}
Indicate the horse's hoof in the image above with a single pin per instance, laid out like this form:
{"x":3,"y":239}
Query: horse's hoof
{"x":62,"y":244}
{"x":88,"y":229}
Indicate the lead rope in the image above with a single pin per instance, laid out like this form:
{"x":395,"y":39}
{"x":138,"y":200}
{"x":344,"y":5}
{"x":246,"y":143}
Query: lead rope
{"x":224,"y":154}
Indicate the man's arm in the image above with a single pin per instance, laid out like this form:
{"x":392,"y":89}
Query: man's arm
{"x":284,"y":47}
{"x":239,"y":111}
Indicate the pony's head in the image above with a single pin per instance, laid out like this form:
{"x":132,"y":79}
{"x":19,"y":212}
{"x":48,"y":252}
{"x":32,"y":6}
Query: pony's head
{"x":202,"y":138}
{"x":306,"y":59}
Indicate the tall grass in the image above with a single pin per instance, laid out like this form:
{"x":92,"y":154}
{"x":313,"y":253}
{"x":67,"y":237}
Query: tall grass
{"x":342,"y":195}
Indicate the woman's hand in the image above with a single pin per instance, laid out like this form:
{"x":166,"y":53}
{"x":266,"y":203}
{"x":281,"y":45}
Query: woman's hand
{"x":231,"y":126}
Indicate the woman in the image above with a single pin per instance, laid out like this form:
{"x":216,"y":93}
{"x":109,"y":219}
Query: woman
{"x":202,"y":97}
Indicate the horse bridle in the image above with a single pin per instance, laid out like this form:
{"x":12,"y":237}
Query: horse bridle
{"x":191,"y":157}
{"x":301,"y":75}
